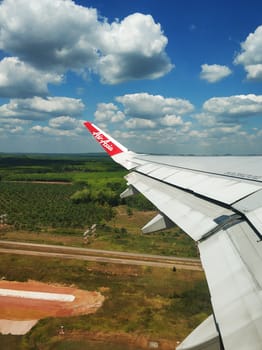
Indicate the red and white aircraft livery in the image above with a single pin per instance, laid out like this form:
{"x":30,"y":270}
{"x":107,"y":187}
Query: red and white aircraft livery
{"x":217,"y":201}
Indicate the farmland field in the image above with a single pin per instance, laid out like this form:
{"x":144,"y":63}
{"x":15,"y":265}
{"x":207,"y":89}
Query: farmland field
{"x":61,"y":211}
{"x":54,"y":199}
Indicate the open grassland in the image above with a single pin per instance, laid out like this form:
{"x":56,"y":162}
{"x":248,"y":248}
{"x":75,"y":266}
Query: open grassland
{"x":154,"y":302}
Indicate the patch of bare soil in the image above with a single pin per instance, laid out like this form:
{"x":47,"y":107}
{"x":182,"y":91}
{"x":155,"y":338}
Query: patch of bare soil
{"x":16,"y":308}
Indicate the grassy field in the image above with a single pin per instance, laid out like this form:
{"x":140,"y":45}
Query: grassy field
{"x":75,"y":192}
{"x":159,"y":303}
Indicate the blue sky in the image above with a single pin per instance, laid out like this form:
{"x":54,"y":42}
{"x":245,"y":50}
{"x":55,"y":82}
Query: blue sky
{"x":177,"y":77}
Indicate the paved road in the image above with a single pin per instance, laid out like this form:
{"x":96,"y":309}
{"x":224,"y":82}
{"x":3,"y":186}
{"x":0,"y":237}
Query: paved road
{"x":11,"y":247}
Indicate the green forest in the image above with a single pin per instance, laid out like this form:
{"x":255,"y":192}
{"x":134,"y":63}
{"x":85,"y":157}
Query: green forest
{"x":37,"y":192}
{"x":65,"y":194}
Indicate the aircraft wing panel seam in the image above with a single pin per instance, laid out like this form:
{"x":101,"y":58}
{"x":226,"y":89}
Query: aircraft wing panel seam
{"x":197,"y":171}
{"x":211,"y":200}
{"x":198,"y":195}
{"x":229,"y":221}
{"x":228,"y":191}
{"x":176,"y":204}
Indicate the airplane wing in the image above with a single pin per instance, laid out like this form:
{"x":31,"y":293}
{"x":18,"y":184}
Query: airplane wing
{"x":217,"y":201}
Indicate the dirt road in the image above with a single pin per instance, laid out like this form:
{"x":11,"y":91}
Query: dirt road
{"x":97,"y":255}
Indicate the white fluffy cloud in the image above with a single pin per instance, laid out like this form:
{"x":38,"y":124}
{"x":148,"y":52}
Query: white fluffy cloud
{"x":133,"y":49}
{"x":38,"y":108}
{"x":217,"y":128}
{"x":171,"y":120}
{"x":142,"y":110}
{"x":234,"y":106}
{"x":223,"y":122}
{"x":108,"y":112}
{"x":20,"y":79}
{"x":146,"y":36}
{"x":251,"y":55}
{"x":49,"y":33}
{"x":144,"y":105}
{"x":214,"y":72}
{"x":254,"y":71}
{"x":60,"y":126}
{"x":76,"y":38}
{"x":48,"y":131}
{"x":140,"y":123}
{"x":161,"y":117}
{"x":65,"y":123}
{"x":12,"y":126}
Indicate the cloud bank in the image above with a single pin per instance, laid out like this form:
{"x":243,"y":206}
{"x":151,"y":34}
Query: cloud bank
{"x":168,"y":122}
{"x":44,"y":43}
{"x":49,"y":37}
{"x":251,"y":55}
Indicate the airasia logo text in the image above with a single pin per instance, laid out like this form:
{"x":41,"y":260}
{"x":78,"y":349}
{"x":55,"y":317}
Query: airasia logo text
{"x":103,"y":142}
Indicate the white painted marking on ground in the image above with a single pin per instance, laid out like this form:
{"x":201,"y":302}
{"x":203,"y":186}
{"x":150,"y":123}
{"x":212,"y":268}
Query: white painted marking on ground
{"x":16,"y":327}
{"x":36,"y":295}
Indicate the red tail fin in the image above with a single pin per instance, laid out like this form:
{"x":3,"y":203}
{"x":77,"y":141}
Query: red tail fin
{"x":111,"y":146}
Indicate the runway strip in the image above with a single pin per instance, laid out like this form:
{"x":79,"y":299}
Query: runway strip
{"x":97,"y":255}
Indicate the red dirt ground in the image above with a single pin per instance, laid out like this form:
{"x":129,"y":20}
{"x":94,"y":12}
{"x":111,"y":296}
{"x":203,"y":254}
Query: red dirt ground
{"x":15,"y":308}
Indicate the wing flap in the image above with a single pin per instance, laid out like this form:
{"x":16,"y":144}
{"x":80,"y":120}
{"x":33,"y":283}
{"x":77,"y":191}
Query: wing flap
{"x":204,"y":337}
{"x":229,"y":259}
{"x":194,"y":215}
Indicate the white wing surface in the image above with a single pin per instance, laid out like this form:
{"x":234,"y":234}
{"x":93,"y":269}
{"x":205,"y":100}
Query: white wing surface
{"x":217,"y":201}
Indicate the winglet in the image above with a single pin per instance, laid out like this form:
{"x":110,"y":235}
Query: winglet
{"x":111,"y":146}
{"x":118,"y":152}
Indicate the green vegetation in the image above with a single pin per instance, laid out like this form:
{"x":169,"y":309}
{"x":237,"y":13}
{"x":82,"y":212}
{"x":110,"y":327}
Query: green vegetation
{"x":139,"y":300}
{"x":10,"y":342}
{"x":53,"y":199}
{"x":34,"y":206}
{"x":59,"y":168}
{"x":66,"y":210}
{"x":88,"y":197}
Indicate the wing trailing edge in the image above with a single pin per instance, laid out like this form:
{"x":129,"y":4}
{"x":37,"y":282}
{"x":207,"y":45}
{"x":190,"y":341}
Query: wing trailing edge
{"x":204,"y":337}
